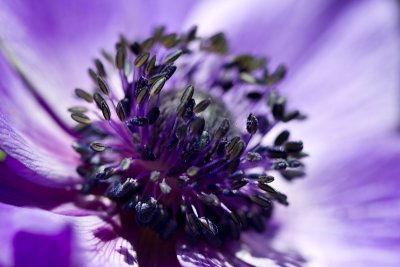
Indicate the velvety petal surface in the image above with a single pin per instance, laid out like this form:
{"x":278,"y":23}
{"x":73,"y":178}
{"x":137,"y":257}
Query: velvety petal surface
{"x":18,"y":191}
{"x":344,"y":208}
{"x":55,"y":42}
{"x":32,"y":237}
{"x":285,"y":31}
{"x":346,"y":213}
{"x":29,"y":134}
{"x":347,"y":84}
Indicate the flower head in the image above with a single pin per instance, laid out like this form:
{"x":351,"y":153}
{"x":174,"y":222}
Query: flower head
{"x":174,"y":146}
{"x":185,"y":159}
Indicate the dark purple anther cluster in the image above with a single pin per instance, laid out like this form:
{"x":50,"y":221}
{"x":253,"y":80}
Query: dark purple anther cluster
{"x":180,"y":150}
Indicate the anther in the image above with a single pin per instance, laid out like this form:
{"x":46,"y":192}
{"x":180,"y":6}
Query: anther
{"x":248,"y":78}
{"x":151,"y":65}
{"x":253,"y":156}
{"x":122,"y":109}
{"x":105,"y":173}
{"x":98,"y":99}
{"x":142,"y":96}
{"x":173,"y":56}
{"x":103,"y":85}
{"x":187,"y":94}
{"x":223,"y":129}
{"x":157,"y":86}
{"x":165,"y":188}
{"x":237,"y":150}
{"x":154,"y":175}
{"x":77,"y":109}
{"x":262,"y":200}
{"x":135,"y":48}
{"x":120,"y":58}
{"x":97,"y":147}
{"x":138,"y":121}
{"x":100,"y":68}
{"x":202,"y":105}
{"x":84,"y":95}
{"x":265,"y":179}
{"x":141,"y":59}
{"x":148,"y":44}
{"x":216,"y":43}
{"x":105,"y":110}
{"x":81,"y":118}
{"x":254,"y":96}
{"x":294,"y":146}
{"x":239,"y":184}
{"x":291,"y":116}
{"x":232,"y":143}
{"x":282,"y":138}
{"x":278,"y":108}
{"x":208,"y":227}
{"x":125,"y":164}
{"x":169,"y":40}
{"x":252,"y":124}
{"x":146,"y":210}
{"x":92,"y":75}
{"x":209,"y":199}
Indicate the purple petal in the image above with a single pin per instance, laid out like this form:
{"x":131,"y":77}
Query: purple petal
{"x":351,"y":81}
{"x":286,"y":31}
{"x":32,"y":237}
{"x":55,"y":42}
{"x":251,"y":250}
{"x":207,"y":256}
{"x":16,"y":190}
{"x":102,"y":241}
{"x":345,"y":213}
{"x":31,"y":136}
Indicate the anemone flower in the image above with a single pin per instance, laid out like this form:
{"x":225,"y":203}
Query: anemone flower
{"x":127,"y":143}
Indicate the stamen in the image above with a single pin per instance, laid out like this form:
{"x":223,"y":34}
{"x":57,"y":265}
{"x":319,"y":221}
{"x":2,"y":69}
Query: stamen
{"x":80,"y":117}
{"x":179,"y":156}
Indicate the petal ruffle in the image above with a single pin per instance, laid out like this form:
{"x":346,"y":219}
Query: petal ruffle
{"x":16,"y":190}
{"x":345,"y":214}
{"x":286,"y":31}
{"x":30,"y":135}
{"x":32,"y":237}
{"x":350,"y":85}
{"x":55,"y":42}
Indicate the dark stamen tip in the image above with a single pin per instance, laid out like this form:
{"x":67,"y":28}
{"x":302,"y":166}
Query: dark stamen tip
{"x":200,"y":107}
{"x":84,"y":95}
{"x":100,"y":68}
{"x":157,"y":86}
{"x":97,"y":147}
{"x":252,"y":124}
{"x":141,"y":59}
{"x":282,"y":138}
{"x":103,"y":85}
{"x":81,"y":118}
{"x":173,"y":56}
{"x":105,"y":110}
{"x":187,"y":94}
{"x":120,"y":58}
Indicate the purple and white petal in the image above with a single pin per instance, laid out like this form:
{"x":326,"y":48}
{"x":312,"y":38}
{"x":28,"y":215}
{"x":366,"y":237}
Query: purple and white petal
{"x":32,"y":237}
{"x":18,"y":191}
{"x":31,"y":135}
{"x":55,"y":42}
{"x":286,"y":31}
{"x":346,"y":213}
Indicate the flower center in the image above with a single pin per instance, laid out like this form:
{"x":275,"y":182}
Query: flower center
{"x":179,"y":158}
